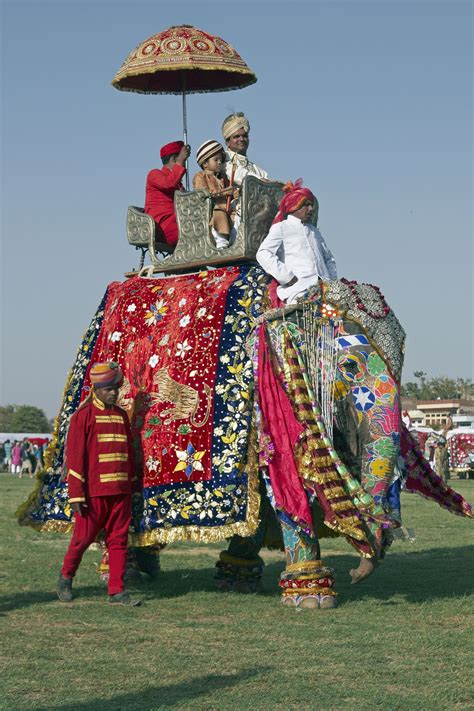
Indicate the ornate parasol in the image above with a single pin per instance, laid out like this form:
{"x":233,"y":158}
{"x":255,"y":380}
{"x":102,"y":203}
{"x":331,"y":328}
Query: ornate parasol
{"x":183,"y":60}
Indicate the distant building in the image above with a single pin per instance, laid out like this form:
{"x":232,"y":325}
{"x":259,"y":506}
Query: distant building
{"x":435,"y":413}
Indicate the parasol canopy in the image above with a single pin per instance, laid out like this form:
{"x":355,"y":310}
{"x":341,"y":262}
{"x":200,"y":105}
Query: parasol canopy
{"x":183,"y":58}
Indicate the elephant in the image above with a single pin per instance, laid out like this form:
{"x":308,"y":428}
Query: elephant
{"x":253,"y":423}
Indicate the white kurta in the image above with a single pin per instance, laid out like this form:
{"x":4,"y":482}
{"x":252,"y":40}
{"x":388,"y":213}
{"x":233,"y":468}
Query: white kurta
{"x":242,"y":166}
{"x":293,"y":249}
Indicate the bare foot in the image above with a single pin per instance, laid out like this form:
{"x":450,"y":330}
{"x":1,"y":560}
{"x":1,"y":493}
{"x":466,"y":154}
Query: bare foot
{"x":366,"y":568}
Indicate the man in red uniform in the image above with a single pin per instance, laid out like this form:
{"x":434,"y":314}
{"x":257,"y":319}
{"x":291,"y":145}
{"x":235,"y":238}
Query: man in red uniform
{"x":100,"y":472}
{"x":161,"y":186}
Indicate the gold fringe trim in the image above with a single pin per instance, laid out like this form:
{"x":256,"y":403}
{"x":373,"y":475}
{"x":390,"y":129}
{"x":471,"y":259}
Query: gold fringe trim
{"x":305,"y":565}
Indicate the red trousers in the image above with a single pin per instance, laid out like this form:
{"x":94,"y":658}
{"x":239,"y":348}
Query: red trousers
{"x":113,"y":514}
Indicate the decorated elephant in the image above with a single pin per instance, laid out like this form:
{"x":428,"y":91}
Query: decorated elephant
{"x":246,"y":413}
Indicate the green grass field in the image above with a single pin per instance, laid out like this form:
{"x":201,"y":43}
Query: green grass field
{"x":403,"y":639}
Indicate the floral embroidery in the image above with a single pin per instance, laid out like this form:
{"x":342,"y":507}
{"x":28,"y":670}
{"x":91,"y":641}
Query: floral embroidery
{"x":156,"y":312}
{"x":182,"y":348}
{"x":189,"y":460}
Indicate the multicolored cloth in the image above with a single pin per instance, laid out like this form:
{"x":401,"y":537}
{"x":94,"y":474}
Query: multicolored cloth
{"x":187,"y":389}
{"x":190,"y":375}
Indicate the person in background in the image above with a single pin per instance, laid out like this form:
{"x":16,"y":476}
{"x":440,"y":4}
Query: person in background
{"x":16,"y":458}
{"x":441,"y":459}
{"x":26,"y":457}
{"x":7,"y":462}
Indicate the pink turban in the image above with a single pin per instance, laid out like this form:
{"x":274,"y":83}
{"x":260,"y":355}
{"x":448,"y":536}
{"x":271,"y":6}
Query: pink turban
{"x":295,"y":195}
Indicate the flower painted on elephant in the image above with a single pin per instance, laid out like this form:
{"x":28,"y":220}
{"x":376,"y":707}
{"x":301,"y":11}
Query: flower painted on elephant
{"x":131,"y":308}
{"x":156,"y":312}
{"x":153,"y":360}
{"x":384,"y":387}
{"x":350,"y":367}
{"x":189,"y":460}
{"x":380,"y":467}
{"x":182,"y":348}
{"x":375,"y":364}
{"x":385,"y":447}
{"x":116,"y":336}
{"x":184,"y":321}
{"x":364,"y":399}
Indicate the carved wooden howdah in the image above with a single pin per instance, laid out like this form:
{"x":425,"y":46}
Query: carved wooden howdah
{"x":196,"y":247}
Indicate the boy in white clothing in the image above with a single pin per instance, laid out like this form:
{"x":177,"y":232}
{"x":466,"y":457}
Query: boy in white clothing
{"x":294,"y":251}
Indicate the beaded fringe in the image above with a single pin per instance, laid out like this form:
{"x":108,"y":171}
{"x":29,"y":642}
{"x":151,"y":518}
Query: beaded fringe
{"x":321,"y":360}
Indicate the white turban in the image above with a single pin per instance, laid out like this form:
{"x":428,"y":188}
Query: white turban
{"x":234,"y":123}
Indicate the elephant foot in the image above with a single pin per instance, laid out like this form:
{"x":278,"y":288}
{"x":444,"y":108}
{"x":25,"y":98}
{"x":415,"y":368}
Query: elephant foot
{"x":310,"y":602}
{"x":366,"y":567}
{"x":238,"y":575}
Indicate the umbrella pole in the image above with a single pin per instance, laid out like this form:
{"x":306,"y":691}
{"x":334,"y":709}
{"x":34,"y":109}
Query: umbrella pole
{"x":185,"y":127}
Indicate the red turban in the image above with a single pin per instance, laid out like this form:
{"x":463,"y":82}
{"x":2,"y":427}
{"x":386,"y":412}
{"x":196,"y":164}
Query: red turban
{"x":295,"y":195}
{"x":171,"y":148}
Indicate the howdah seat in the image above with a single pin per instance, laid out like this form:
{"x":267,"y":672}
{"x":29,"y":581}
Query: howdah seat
{"x":196,"y":247}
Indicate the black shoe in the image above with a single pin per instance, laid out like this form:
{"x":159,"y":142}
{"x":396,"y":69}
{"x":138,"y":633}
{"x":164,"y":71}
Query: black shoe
{"x":64,"y":589}
{"x":124,"y":598}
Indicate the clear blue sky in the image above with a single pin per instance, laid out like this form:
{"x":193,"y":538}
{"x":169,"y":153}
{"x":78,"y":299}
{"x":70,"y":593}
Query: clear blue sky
{"x":369,"y":102}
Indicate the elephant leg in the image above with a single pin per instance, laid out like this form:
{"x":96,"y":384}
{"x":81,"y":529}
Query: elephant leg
{"x":375,"y":399}
{"x":306,"y":582}
{"x":240,"y":568}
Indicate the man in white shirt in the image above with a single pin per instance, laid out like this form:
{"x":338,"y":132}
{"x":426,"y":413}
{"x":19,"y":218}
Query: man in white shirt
{"x":294,"y":251}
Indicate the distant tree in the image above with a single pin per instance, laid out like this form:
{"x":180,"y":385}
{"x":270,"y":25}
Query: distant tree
{"x":6,"y":414}
{"x":23,"y":418}
{"x":440,"y":387}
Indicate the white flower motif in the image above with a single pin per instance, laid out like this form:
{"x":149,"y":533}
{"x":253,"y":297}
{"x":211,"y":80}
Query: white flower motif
{"x":225,"y":359}
{"x":184,"y":321}
{"x":164,"y":340}
{"x":152,"y":464}
{"x":182,"y":302}
{"x":199,"y":486}
{"x":182,"y":348}
{"x":171,"y":290}
{"x":201,"y":312}
{"x":116,"y":336}
{"x":131,"y":308}
{"x":153,"y":360}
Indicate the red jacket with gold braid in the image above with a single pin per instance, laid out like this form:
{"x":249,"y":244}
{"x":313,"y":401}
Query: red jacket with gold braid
{"x":99,"y":452}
